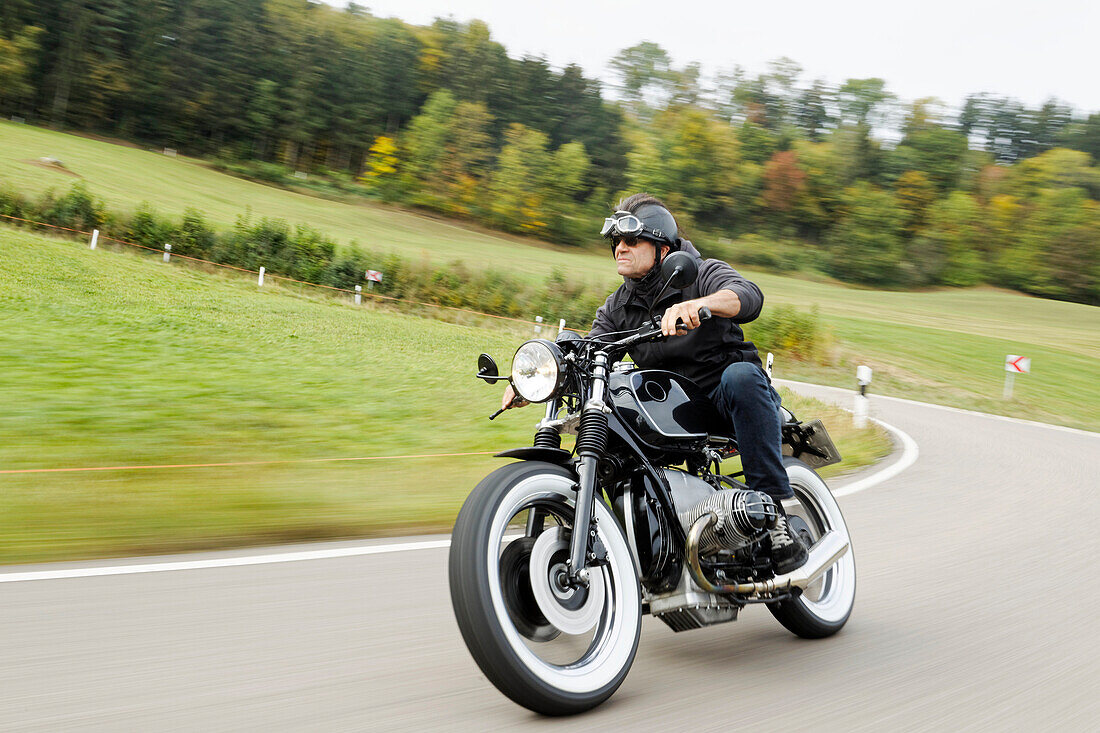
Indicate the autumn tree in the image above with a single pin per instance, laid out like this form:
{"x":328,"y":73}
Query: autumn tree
{"x":865,"y":245}
{"x":784,"y":186}
{"x":690,"y":159}
{"x":823,"y":189}
{"x":928,"y":146}
{"x":915,"y":193}
{"x":381,"y":168}
{"x":949,"y":249}
{"x":518,"y":197}
{"x":17,"y":55}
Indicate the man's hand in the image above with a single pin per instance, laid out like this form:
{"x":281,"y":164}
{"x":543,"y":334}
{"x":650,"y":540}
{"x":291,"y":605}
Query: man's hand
{"x":510,"y":399}
{"x":688,"y":312}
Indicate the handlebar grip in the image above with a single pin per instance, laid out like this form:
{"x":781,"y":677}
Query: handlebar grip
{"x":704,"y":315}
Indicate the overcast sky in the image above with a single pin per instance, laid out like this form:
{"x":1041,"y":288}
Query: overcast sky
{"x":942,"y":48}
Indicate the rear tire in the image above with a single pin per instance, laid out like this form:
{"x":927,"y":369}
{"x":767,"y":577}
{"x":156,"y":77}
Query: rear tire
{"x":487,"y":599}
{"x":824,"y":607}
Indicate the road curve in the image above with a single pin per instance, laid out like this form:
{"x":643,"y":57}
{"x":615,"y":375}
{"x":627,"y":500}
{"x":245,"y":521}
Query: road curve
{"x":976,"y":610}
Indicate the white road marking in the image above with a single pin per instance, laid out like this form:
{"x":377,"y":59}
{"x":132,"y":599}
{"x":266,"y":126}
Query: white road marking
{"x":224,"y":562}
{"x":909,"y":454}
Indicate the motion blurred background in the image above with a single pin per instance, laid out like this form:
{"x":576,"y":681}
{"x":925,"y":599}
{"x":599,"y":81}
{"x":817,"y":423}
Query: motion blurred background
{"x":928,"y":234}
{"x":250,"y":251}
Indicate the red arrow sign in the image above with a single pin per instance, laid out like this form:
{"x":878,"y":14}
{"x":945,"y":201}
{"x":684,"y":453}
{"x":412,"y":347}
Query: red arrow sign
{"x":1020,"y":364}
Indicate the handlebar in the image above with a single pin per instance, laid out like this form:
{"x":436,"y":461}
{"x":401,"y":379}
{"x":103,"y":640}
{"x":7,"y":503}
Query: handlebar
{"x":653,"y":331}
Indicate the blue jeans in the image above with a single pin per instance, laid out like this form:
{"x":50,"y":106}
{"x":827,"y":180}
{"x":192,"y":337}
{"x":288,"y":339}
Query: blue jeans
{"x":746,"y":398}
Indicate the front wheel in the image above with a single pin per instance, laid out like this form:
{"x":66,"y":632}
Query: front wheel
{"x":825,"y":605}
{"x":549,"y":647}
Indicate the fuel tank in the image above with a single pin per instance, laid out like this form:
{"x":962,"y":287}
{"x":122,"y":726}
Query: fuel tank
{"x":665,"y":410}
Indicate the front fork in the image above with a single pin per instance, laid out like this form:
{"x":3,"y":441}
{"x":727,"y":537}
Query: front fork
{"x":591,"y":443}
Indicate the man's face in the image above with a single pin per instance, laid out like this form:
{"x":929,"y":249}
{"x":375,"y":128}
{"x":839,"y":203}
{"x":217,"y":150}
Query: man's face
{"x":635,"y":257}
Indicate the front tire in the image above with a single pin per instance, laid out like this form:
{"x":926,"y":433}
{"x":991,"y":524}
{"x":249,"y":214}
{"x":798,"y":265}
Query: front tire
{"x":824,"y":607}
{"x":506,"y":603}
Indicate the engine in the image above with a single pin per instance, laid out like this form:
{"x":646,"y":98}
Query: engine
{"x":743,"y":517}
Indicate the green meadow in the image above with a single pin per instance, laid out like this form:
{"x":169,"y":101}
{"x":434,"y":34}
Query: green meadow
{"x":113,"y":358}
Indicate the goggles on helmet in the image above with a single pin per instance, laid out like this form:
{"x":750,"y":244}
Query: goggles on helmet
{"x":625,"y":224}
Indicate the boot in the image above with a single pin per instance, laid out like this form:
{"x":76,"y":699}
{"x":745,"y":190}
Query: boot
{"x":788,"y":552}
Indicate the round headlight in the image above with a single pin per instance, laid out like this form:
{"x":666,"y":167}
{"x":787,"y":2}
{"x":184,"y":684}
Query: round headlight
{"x":536,"y":370}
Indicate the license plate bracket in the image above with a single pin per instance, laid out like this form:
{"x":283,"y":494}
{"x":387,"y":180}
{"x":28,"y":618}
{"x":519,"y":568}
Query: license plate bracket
{"x":816,"y":448}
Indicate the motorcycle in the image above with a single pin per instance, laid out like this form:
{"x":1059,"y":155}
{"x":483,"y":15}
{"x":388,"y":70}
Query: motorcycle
{"x":555,"y":557}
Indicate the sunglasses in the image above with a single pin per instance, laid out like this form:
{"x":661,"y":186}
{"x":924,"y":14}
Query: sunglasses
{"x":628,"y":241}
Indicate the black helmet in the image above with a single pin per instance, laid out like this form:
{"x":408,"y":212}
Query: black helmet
{"x":651,"y":222}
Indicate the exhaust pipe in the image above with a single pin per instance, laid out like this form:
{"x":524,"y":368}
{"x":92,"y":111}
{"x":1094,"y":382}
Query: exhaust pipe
{"x":826,"y":551}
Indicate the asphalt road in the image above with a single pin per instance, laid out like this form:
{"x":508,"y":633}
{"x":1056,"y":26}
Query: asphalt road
{"x":976,"y":610}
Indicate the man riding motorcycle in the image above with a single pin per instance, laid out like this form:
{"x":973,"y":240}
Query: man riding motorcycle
{"x":714,"y":353}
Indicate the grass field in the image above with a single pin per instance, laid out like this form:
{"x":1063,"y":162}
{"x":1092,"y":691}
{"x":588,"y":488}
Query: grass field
{"x":124,"y":177}
{"x":946,"y":346}
{"x":112,"y":358}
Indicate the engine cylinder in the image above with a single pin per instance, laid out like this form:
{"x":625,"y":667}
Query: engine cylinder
{"x":743,"y":517}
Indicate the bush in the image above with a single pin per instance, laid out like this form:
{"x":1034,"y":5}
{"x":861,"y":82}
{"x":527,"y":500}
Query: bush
{"x":193,"y":237}
{"x":12,"y":202}
{"x":762,"y":253}
{"x":794,"y":333}
{"x":75,"y":210}
{"x":148,"y":229}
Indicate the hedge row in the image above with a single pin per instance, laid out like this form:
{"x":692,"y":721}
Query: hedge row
{"x":303,"y":253}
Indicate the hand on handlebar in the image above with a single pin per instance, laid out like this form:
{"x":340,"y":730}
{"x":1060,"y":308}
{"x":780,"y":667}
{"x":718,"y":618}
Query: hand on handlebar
{"x":684,"y":317}
{"x":652,"y":331}
{"x":511,"y":399}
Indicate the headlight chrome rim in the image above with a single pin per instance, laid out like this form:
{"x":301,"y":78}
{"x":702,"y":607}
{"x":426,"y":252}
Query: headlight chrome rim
{"x":542,"y":372}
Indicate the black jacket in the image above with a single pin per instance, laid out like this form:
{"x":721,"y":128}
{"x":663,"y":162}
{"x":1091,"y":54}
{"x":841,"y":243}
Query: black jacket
{"x":701,"y":354}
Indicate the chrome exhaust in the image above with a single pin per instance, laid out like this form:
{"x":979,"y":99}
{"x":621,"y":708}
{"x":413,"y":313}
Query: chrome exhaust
{"x":826,"y":551}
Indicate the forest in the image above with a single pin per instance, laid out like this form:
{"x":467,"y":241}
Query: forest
{"x":771,"y":170}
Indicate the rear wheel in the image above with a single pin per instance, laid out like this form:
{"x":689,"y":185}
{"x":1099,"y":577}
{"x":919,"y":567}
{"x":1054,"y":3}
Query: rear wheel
{"x":550,"y":647}
{"x":825,"y":605}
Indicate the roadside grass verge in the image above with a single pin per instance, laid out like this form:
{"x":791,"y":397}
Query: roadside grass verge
{"x":115,"y":359}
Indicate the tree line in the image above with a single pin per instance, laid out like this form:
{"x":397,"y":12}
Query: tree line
{"x":769,"y":170}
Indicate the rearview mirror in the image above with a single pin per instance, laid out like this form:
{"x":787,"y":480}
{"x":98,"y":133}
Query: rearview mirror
{"x":679,"y":270}
{"x":487,"y":369}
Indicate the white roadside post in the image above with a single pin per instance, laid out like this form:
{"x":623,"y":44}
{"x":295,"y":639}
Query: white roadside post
{"x":1014,"y":365}
{"x":768,"y":364}
{"x":861,"y":408}
{"x":561,"y":325}
{"x":260,"y":280}
{"x":358,"y":294}
{"x":95,"y":238}
{"x":538,"y":326}
{"x":167,"y":252}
